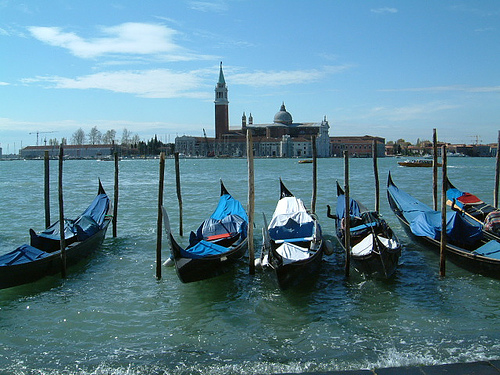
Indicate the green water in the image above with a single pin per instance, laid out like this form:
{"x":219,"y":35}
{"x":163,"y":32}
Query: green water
{"x":111,"y":315}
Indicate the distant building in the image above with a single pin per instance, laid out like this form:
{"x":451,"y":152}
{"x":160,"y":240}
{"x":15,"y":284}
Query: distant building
{"x":70,"y":151}
{"x":281,"y":138}
{"x":360,"y":147}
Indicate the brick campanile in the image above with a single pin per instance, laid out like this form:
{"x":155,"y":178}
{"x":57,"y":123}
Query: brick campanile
{"x":221,"y":107}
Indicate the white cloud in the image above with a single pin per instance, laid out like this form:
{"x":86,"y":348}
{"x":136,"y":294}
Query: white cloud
{"x":164,"y":83}
{"x":4,"y":83}
{"x":284,"y":77}
{"x":384,"y":10}
{"x":208,"y":6}
{"x":447,"y":88}
{"x":411,"y":112}
{"x":127,"y":38}
{"x":156,"y":83}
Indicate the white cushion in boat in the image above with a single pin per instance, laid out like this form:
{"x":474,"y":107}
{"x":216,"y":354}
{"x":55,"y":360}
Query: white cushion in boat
{"x":388,"y":242}
{"x":366,"y":245}
{"x":292,"y":253}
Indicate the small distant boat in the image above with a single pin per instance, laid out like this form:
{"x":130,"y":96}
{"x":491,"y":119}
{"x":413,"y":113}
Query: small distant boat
{"x":475,"y":209}
{"x":83,"y":235}
{"x":466,"y":245}
{"x":217,"y":243}
{"x":417,"y":163}
{"x":293,"y":245}
{"x":375,"y":248}
{"x":305,"y":161}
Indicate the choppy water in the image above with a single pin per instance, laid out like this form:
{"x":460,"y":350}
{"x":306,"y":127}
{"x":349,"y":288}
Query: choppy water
{"x":111,"y":315}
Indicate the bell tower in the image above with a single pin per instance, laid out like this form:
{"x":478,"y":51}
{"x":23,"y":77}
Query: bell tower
{"x":221,"y":106}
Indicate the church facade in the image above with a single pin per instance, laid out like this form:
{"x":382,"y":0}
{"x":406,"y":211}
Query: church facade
{"x":280,"y":138}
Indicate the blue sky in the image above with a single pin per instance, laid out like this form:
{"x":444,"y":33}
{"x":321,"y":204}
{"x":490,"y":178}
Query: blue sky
{"x":395,"y":69}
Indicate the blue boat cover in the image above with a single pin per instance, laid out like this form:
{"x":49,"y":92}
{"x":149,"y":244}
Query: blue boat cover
{"x":454,"y":194}
{"x":491,"y":250}
{"x":87,"y":224}
{"x":424,"y":221}
{"x":458,"y":229}
{"x":355,"y":208}
{"x":291,"y":220}
{"x":98,"y":209}
{"x":203,"y":249}
{"x":228,"y":218}
{"x":23,"y":254}
{"x":229,"y":206}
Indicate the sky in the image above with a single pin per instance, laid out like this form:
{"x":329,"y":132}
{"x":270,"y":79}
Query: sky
{"x":393,"y":69}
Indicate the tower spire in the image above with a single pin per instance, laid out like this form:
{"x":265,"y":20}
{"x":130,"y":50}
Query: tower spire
{"x":221,"y":106}
{"x":222,"y":81}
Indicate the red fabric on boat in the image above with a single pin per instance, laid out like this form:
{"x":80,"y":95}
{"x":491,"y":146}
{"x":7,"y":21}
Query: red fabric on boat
{"x":468,"y":198}
{"x":218,"y":236}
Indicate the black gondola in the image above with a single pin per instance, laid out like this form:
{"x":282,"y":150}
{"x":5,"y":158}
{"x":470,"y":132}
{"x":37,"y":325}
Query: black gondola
{"x":466,"y":245}
{"x":375,"y":249}
{"x":475,"y":209}
{"x":293,"y":245}
{"x":216,"y":245}
{"x":42,"y":257}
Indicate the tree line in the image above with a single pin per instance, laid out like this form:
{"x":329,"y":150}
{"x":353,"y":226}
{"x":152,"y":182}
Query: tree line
{"x":131,"y":143}
{"x":96,"y":137}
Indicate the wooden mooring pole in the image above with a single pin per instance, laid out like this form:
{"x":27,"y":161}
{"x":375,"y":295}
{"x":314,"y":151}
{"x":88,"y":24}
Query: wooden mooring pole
{"x":434,"y":170}
{"x":61,"y":214}
{"x":315,"y":174}
{"x":115,"y":204}
{"x":47,"y":189}
{"x":178,"y":188}
{"x":251,"y":203}
{"x":497,"y":173}
{"x":347,"y":216}
{"x":442,"y":258}
{"x":160,"y":216}
{"x":375,"y":173}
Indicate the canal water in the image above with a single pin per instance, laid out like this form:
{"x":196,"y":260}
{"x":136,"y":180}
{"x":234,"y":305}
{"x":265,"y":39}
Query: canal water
{"x":111,"y":315}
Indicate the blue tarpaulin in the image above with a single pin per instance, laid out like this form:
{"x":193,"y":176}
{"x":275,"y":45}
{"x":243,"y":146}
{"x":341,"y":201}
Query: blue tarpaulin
{"x":228,"y":218}
{"x":453,"y":194}
{"x":23,"y":254}
{"x":203,"y":249}
{"x":490,"y":250}
{"x":355,"y":208}
{"x":229,"y":206}
{"x":424,"y":221}
{"x":458,"y":230}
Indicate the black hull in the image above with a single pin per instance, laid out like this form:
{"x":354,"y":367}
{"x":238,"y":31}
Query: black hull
{"x":381,"y":265}
{"x":191,"y":270}
{"x":300,"y":272}
{"x":461,"y":257}
{"x":15,"y":275}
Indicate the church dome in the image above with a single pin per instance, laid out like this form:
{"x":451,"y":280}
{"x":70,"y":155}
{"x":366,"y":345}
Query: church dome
{"x":283,"y":117}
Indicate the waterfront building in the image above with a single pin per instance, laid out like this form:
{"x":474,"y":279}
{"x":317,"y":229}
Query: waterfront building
{"x":280,"y":138}
{"x":360,"y":147}
{"x":70,"y":151}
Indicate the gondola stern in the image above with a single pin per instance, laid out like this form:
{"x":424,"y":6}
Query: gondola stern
{"x":101,"y":188}
{"x":284,"y":192}
{"x":448,"y":184}
{"x":340,"y":191}
{"x":223,"y":190}
{"x":390,"y":182}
